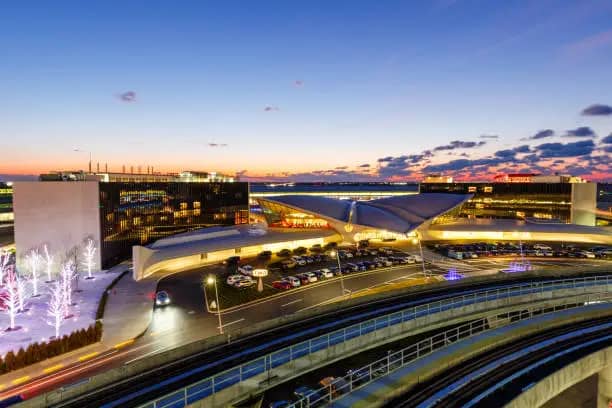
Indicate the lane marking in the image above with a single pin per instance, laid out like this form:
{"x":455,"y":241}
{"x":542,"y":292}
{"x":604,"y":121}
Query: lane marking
{"x":53,"y":368}
{"x":230,"y":323}
{"x":21,"y":380}
{"x":292,"y":302}
{"x":123,"y":344}
{"x":148,"y":354}
{"x":89,"y":356}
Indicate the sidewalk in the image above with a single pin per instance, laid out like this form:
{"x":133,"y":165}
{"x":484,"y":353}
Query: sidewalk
{"x":129,"y":308}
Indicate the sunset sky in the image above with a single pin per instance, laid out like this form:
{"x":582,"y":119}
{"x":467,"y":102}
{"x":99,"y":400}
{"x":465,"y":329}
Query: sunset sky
{"x":308,"y":90}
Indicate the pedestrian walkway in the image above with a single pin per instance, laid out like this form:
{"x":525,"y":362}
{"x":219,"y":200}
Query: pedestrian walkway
{"x":383,"y":386}
{"x":129,"y":308}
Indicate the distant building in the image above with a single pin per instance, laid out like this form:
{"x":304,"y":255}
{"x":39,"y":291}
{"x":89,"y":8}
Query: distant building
{"x":536,"y":178}
{"x":120,"y":210}
{"x":437,"y":178}
{"x":561,"y":202}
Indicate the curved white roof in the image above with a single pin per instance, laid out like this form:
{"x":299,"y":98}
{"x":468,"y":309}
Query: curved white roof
{"x":398,"y":214}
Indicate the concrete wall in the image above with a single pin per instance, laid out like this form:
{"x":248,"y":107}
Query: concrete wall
{"x":584,"y":203}
{"x":60,"y":214}
{"x":560,"y":380}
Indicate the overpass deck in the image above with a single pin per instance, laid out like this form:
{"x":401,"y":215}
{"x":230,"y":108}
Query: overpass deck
{"x":378,"y":391}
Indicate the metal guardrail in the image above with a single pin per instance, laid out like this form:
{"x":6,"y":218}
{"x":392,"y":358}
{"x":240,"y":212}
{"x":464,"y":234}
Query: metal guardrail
{"x":211,"y":385}
{"x":395,"y":360}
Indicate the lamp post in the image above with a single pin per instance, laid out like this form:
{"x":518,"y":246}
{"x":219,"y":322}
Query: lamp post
{"x":211,"y":280}
{"x":336,"y":254}
{"x":259,"y":274}
{"x":418,"y":241}
{"x":83,"y":151}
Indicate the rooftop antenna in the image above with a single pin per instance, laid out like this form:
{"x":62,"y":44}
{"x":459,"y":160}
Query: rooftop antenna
{"x":131,"y":169}
{"x":123,"y":169}
{"x":106,"y":167}
{"x":97,"y":167}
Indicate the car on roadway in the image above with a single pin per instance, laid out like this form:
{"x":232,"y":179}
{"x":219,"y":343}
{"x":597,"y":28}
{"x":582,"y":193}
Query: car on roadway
{"x":585,"y":254}
{"x":281,"y":284}
{"x":293,"y":281}
{"x":162,"y":298}
{"x":304,"y":280}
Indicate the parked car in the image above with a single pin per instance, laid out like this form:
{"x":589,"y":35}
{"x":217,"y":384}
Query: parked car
{"x":233,"y":278}
{"x":351,"y":267}
{"x":288,"y":264}
{"x":585,"y":254}
{"x":311,"y":277}
{"x":304,"y":280}
{"x":327,"y":273}
{"x":246,"y":270}
{"x":246,"y":282}
{"x":284,"y":285}
{"x":298,"y":260}
{"x":293,"y":281}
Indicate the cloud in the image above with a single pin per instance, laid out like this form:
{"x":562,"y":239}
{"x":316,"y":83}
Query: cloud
{"x":589,"y":44}
{"x":489,"y":136}
{"x":597,"y":110}
{"x":575,"y":149}
{"x":458,"y":144}
{"x":522,"y":149}
{"x":460,"y":164}
{"x":541,"y":134}
{"x":341,"y":168}
{"x":217,"y":144}
{"x":298,"y":83}
{"x":129,"y":96}
{"x":607,"y":139}
{"x":271,"y":109}
{"x":364,"y":166}
{"x":582,"y":131}
{"x":505,"y":154}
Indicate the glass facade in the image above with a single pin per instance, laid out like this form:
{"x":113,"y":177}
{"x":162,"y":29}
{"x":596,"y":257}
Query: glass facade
{"x":139,"y":213}
{"x":6,"y":203}
{"x":277,"y":215}
{"x":544,"y":201}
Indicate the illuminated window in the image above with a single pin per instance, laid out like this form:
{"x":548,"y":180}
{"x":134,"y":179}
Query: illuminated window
{"x":183,"y":206}
{"x":196,"y":204}
{"x":488,"y":189}
{"x":471,"y":189}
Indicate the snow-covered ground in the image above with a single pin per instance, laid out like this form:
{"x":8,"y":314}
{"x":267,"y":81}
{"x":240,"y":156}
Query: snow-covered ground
{"x":33,"y":322}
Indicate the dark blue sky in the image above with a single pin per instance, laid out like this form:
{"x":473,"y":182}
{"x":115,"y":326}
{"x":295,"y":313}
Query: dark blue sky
{"x":299,"y":87}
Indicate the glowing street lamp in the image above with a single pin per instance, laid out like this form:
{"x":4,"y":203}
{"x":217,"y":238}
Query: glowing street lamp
{"x":259,"y":274}
{"x":336,"y":254}
{"x":211,"y":280}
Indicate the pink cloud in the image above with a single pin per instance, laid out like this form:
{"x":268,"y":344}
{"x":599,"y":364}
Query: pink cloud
{"x":589,"y":44}
{"x":129,"y":96}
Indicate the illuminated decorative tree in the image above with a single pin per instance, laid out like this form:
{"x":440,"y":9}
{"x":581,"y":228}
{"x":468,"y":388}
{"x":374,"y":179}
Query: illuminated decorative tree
{"x":56,"y":307}
{"x":10,"y":297}
{"x":88,"y":254}
{"x":68,"y":272}
{"x":22,"y":293}
{"x":33,"y":259}
{"x":5,"y":258}
{"x":48,"y":262}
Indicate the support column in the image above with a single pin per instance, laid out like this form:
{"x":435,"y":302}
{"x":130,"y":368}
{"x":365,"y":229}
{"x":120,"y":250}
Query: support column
{"x":604,"y":388}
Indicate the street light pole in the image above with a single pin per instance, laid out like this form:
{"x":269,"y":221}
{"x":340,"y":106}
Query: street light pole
{"x":337,"y":255}
{"x":422,"y":257}
{"x":211,"y":280}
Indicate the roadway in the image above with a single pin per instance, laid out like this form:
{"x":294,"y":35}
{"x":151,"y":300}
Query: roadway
{"x":186,"y":319}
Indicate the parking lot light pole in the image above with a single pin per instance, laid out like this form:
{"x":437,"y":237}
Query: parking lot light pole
{"x":211,"y":280}
{"x":418,"y":238}
{"x":337,"y":255}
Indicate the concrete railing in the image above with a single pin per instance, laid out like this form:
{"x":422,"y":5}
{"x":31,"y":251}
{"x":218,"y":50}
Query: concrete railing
{"x":237,"y":382}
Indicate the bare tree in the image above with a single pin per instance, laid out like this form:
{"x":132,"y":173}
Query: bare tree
{"x":55,"y":307}
{"x":5,"y":259}
{"x":68,"y":274}
{"x":11,"y":297}
{"x":89,"y":252}
{"x":48,"y":262}
{"x":34,"y":259}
